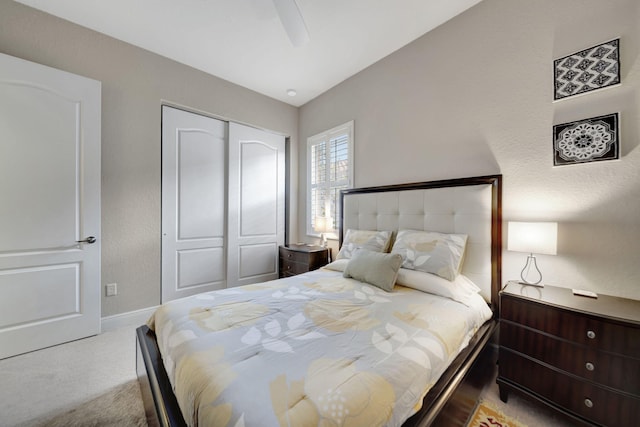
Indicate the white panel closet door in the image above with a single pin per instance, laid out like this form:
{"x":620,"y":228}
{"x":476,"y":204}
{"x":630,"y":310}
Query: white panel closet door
{"x":256,"y":204}
{"x":193,"y":203}
{"x":49,"y":201}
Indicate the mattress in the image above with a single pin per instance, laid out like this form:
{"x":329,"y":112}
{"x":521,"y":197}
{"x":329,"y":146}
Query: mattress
{"x":315,"y":349}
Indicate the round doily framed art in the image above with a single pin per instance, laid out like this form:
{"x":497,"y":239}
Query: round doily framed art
{"x":586,"y":141}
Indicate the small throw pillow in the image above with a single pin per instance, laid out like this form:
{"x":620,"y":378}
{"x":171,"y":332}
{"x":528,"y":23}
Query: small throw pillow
{"x":375,"y":268}
{"x":431,"y":252}
{"x":375,"y":241}
{"x":337,"y":265}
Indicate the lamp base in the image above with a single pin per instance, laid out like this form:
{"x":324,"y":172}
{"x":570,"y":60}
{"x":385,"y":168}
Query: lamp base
{"x":531,"y":272}
{"x":323,"y":240}
{"x":520,"y":282}
{"x":537,"y":285}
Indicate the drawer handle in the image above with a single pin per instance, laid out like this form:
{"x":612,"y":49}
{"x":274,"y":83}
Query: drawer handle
{"x":588,"y":403}
{"x":590,"y":366}
{"x":289,"y":255}
{"x":591,"y":334}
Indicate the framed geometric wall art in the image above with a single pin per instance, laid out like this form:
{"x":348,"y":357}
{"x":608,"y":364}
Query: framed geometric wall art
{"x":585,"y":141}
{"x":587,"y":70}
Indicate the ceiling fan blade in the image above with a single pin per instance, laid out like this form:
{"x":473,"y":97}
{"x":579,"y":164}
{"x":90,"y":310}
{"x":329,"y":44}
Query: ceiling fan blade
{"x":292,"y":21}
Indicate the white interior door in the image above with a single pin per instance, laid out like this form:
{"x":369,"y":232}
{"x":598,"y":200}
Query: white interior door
{"x":256,"y":204}
{"x":193,"y":203}
{"x":49,"y":200}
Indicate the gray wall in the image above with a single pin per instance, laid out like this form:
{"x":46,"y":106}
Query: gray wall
{"x":135,"y":82}
{"x":475,"y":96}
{"x":472,"y":97}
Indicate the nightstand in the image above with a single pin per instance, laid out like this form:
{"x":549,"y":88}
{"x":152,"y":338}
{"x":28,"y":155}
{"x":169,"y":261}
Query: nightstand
{"x":297,"y":259}
{"x":578,"y":355}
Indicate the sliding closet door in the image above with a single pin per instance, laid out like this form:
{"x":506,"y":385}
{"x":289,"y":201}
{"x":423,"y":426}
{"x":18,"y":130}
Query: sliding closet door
{"x":193,"y":203}
{"x":256,"y":204}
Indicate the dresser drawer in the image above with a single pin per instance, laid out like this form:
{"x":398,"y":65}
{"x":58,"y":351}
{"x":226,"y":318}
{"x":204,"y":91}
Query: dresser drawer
{"x":298,"y":259}
{"x":573,"y":326}
{"x":580,"y":397}
{"x":291,"y":268}
{"x":294,"y":256}
{"x":612,"y":370}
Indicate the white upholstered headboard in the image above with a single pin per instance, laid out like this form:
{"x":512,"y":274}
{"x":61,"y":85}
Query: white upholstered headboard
{"x":469,"y":206}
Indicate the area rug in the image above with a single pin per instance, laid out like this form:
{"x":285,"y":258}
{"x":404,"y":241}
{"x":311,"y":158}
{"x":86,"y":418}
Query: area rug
{"x":120,"y":407}
{"x":485,"y":415}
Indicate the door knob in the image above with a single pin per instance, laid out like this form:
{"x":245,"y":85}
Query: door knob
{"x":89,"y":240}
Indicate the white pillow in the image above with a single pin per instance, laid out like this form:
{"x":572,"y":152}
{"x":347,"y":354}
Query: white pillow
{"x":431,"y":252}
{"x":460,"y":289}
{"x":375,"y":241}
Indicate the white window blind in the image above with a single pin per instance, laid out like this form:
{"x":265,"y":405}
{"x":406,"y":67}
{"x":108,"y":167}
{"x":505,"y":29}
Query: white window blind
{"x":330,"y":169}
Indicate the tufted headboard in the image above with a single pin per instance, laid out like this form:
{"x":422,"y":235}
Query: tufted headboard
{"x":471,"y":206}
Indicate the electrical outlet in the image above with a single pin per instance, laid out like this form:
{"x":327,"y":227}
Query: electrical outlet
{"x":112,"y":289}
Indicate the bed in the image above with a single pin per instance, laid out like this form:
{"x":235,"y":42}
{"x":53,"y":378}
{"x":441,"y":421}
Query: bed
{"x":341,"y":345}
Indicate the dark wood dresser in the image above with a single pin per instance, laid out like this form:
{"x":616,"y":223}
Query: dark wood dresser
{"x":577,"y":354}
{"x":297,"y":259}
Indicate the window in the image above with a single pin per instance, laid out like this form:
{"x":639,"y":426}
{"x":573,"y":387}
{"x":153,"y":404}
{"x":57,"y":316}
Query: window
{"x":329,"y":170}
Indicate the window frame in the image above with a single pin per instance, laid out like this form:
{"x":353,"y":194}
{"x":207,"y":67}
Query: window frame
{"x":325,"y":137}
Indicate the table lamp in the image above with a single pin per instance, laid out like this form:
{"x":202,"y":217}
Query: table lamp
{"x":533,"y":238}
{"x":323,"y":225}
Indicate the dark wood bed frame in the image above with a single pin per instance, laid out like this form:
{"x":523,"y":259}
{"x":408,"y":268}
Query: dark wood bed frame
{"x":161,"y":406}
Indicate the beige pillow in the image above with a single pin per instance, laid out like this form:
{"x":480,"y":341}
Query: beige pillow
{"x":337,"y":265}
{"x":431,"y":252}
{"x":375,"y":241}
{"x":375,"y":268}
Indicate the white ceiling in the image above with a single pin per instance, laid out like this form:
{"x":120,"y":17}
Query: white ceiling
{"x":243,"y":41}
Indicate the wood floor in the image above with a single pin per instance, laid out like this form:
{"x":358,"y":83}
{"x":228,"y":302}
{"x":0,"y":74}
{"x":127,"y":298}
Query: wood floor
{"x":480,"y":384}
{"x":458,"y":409}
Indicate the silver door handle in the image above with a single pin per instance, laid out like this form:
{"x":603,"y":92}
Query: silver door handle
{"x":89,"y":240}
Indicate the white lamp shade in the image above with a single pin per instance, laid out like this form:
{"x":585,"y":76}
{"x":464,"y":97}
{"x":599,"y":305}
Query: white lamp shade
{"x":323,"y":224}
{"x":533,"y":237}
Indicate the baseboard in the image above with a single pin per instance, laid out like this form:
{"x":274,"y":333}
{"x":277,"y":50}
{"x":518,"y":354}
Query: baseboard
{"x":131,"y":318}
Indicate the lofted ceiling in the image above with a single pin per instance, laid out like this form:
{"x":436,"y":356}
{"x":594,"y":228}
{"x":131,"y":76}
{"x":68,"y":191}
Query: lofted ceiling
{"x":245,"y":42}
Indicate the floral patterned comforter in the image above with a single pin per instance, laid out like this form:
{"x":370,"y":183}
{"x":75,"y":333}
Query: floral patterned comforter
{"x":310,"y":350}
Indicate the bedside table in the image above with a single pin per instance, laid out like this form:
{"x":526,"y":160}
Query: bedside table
{"x":578,"y":355}
{"x":297,"y":259}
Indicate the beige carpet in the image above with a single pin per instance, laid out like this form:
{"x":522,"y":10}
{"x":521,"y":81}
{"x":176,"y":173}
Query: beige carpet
{"x":89,"y":382}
